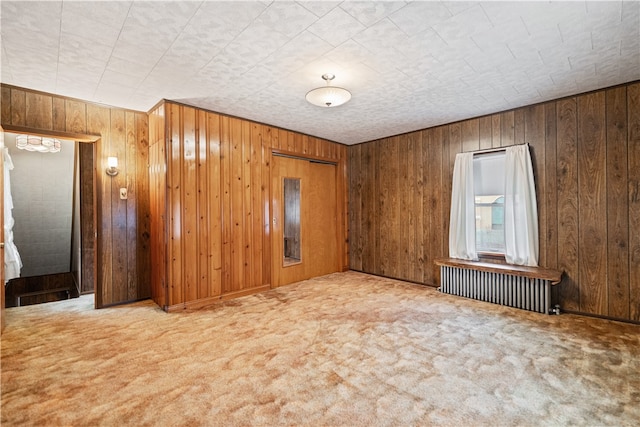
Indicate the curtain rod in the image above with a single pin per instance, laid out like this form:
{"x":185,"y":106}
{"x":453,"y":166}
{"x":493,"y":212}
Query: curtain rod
{"x":496,"y":149}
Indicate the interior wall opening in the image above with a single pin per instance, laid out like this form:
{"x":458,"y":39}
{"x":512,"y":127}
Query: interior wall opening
{"x":52,"y":213}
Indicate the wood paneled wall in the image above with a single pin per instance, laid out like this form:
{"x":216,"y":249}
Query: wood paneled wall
{"x":586,"y":157}
{"x":210,"y":197}
{"x":123,"y":263}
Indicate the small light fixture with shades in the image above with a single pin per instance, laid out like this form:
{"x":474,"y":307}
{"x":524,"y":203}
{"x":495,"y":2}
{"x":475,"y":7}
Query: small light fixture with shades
{"x":328,"y":96}
{"x":112,"y":166}
{"x":37,"y":143}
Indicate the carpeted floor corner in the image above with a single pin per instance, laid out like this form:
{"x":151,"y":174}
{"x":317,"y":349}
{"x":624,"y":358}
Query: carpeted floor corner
{"x":347,"y":349}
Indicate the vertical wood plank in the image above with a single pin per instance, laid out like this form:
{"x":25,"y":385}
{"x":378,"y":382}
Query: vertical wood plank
{"x":496,"y":130}
{"x":592,"y":203}
{"x":455,"y":147}
{"x":227,"y":220}
{"x":430,"y":220}
{"x":519,"y":126}
{"x":247,"y":213}
{"x":567,"y":173}
{"x":388,"y":234}
{"x":485,"y":125}
{"x":237,"y":211}
{"x":174,"y":182}
{"x":435,"y":187}
{"x":343,"y":207}
{"x":118,"y":148}
{"x":633,"y":112}
{"x":60,"y":115}
{"x":18,"y":107}
{"x":99,"y":122}
{"x":370,"y":184}
{"x":470,"y":135}
{"x":534,"y":129}
{"x":215,"y":205}
{"x":158,"y":191}
{"x":405,"y":195}
{"x":507,"y":129}
{"x":189,"y":205}
{"x":550,"y":235}
{"x":355,"y":206}
{"x":76,"y":116}
{"x":257,"y":195}
{"x":265,"y":158}
{"x":130,"y":205}
{"x":5,"y":105}
{"x":39,"y":111}
{"x":143,"y":208}
{"x":447,"y":176}
{"x":617,"y":204}
{"x":203,"y":205}
{"x":87,"y":216}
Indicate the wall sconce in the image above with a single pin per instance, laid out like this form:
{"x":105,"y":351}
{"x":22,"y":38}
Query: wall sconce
{"x":112,"y":166}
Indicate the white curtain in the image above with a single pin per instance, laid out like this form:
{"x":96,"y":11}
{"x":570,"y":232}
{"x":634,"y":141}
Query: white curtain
{"x":12,"y":261}
{"x":462,"y":225}
{"x":520,"y":209}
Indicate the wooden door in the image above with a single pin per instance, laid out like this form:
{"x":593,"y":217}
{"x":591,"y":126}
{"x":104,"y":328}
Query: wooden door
{"x":318,"y":226}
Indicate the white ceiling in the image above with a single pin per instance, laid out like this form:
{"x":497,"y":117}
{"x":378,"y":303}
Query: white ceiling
{"x":409,"y":65}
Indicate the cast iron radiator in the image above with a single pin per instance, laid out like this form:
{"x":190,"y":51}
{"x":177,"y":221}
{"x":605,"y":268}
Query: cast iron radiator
{"x":499,"y":288}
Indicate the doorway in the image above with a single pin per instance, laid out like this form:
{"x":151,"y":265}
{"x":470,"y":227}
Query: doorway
{"x":305,"y":219}
{"x":54,"y":215}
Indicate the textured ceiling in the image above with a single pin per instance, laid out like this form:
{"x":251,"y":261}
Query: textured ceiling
{"x":409,"y":65}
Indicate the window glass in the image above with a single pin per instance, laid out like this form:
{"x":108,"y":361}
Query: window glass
{"x":291,"y":246}
{"x":488,"y":181}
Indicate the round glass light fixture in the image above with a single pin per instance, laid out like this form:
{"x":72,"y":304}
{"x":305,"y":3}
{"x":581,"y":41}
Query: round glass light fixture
{"x":37,"y":143}
{"x":328,"y":96}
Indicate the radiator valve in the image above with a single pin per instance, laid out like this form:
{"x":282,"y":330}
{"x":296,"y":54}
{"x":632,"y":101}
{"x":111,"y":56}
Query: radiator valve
{"x":555,"y":309}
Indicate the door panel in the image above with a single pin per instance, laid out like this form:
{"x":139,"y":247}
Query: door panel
{"x":318,"y":220}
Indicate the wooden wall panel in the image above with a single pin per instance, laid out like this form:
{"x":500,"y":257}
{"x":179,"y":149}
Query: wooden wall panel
{"x":158,"y":205}
{"x":592,"y":203}
{"x":38,"y":111}
{"x":617,"y":203}
{"x":586,"y":155}
{"x":567,"y":189}
{"x":355,"y":198}
{"x":633,"y":114}
{"x":369,"y":215}
{"x":5,"y":105}
{"x":86,"y":152}
{"x":388,"y":236}
{"x":431,"y":179}
{"x":142,"y":281}
{"x":120,"y":277}
{"x":534,"y":127}
{"x":550,"y":233}
{"x":218,"y":201}
{"x":416,"y":263}
{"x":59,"y":116}
{"x":75,"y":116}
{"x":213,"y":222}
{"x":119,"y":265}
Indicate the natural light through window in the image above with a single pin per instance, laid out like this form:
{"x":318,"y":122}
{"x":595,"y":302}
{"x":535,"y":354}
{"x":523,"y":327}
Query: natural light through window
{"x":488,"y":170}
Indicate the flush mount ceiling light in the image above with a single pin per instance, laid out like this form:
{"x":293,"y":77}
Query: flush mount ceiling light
{"x":328,"y":96}
{"x":37,"y":143}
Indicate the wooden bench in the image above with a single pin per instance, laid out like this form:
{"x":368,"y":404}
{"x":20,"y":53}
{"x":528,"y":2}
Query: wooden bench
{"x":512,"y":285}
{"x":553,"y":276}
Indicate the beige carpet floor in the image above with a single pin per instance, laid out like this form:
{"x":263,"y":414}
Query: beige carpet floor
{"x":345,"y":349}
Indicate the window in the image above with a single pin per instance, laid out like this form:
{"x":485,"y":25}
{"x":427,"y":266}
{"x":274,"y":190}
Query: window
{"x":291,"y":247}
{"x":489,"y":187}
